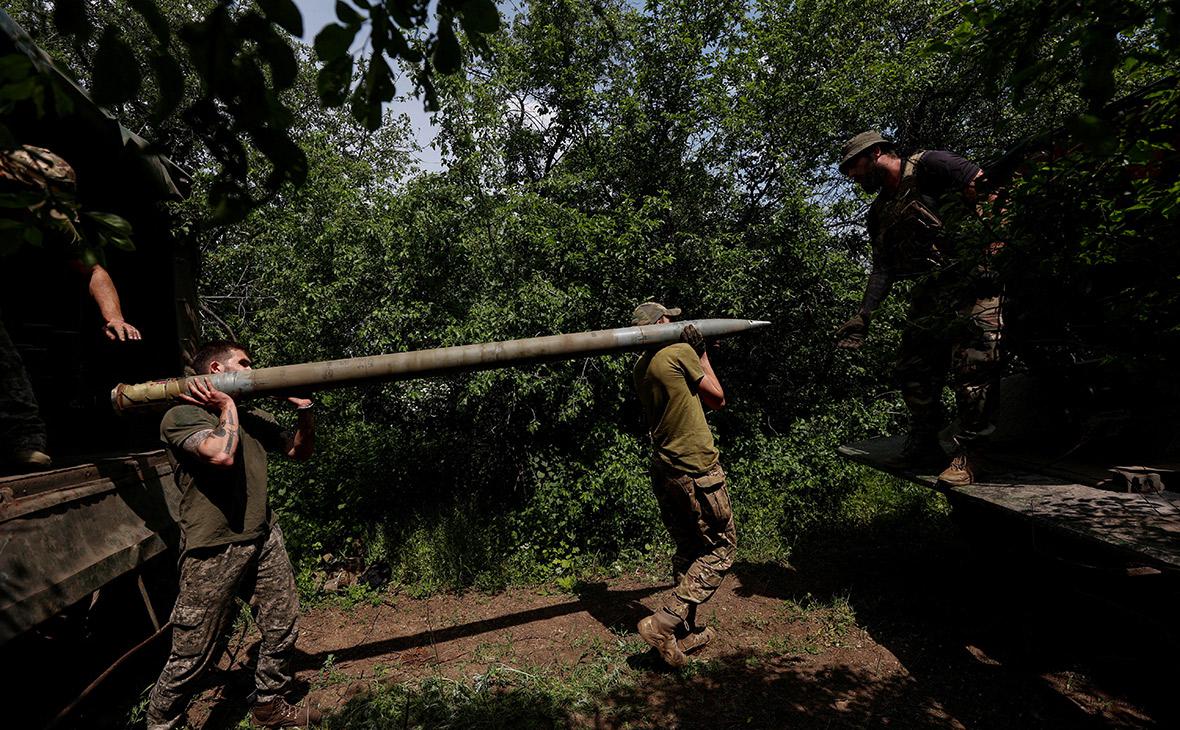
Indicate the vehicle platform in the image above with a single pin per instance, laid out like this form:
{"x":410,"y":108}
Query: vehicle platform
{"x":1062,"y":499}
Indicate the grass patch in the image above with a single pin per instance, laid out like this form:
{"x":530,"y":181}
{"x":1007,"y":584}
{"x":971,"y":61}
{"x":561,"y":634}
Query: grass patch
{"x":501,"y":697}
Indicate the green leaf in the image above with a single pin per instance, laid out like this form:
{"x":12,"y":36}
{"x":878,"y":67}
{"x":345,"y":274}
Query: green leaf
{"x":333,"y":41}
{"x":169,"y":80}
{"x":284,"y":66}
{"x":447,"y":56}
{"x":333,"y":80}
{"x":115,"y":223}
{"x":90,"y":256}
{"x":21,"y":199}
{"x":346,"y":14}
{"x":285,"y":14}
{"x":479,"y":16}
{"x":72,"y":18}
{"x":33,"y":236}
{"x":116,"y":70}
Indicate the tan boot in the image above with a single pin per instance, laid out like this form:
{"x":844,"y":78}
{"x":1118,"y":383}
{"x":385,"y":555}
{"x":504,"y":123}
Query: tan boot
{"x":278,"y":713}
{"x":26,"y":460}
{"x":960,"y":473}
{"x":659,"y":631}
{"x":696,"y":639}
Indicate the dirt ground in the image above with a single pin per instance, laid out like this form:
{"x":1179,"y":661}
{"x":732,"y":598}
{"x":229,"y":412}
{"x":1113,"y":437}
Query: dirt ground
{"x":858,"y":634}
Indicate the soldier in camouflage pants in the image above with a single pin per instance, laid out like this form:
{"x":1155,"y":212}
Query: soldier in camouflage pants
{"x":697,"y":513}
{"x":210,"y":579}
{"x":674,"y":383}
{"x":955,"y":316}
{"x":232,"y":544}
{"x":954,"y":324}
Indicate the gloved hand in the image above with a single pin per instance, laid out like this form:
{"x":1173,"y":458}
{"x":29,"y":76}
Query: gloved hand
{"x":691,"y":336}
{"x":851,"y":334}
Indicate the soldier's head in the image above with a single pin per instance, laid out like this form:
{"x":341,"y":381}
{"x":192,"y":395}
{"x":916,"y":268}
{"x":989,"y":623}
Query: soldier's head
{"x":653,"y":313}
{"x":868,"y":159}
{"x":221,"y":356}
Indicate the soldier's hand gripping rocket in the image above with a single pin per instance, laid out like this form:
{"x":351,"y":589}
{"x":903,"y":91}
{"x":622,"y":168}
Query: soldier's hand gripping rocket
{"x":692,"y":337}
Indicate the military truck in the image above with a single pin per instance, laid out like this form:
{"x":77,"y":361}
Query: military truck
{"x":77,"y":541}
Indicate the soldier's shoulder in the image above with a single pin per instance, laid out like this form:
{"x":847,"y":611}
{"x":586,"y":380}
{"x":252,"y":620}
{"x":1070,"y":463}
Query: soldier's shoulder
{"x":186,"y":413}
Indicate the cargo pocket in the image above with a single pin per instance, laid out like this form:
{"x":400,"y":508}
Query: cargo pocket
{"x":714,"y":498}
{"x":190,"y":630}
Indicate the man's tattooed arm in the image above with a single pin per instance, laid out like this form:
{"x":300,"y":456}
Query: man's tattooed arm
{"x":229,"y":430}
{"x":216,"y":446}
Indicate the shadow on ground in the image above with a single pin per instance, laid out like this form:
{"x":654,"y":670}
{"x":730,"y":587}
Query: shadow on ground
{"x":986,"y":639}
{"x":996,"y":638}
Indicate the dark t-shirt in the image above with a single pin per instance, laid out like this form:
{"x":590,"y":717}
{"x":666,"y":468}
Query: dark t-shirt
{"x":666,"y":381}
{"x":941,"y":177}
{"x":220,"y":505}
{"x":907,"y":227}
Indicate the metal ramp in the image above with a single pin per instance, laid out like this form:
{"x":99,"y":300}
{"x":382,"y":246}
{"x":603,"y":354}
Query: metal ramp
{"x":68,"y":532}
{"x":1059,"y":500}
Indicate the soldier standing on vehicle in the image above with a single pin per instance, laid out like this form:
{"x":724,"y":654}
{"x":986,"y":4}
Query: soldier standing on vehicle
{"x":232,"y":544}
{"x":672,"y":381}
{"x":954,"y":321}
{"x":40,"y":185}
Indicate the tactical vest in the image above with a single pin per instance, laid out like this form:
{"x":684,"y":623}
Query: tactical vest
{"x":909,"y":235}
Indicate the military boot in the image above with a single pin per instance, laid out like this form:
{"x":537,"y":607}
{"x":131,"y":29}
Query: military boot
{"x":696,"y":639}
{"x":919,"y":449}
{"x":961,"y":472}
{"x":278,"y":713}
{"x":26,"y":460}
{"x":659,"y":630}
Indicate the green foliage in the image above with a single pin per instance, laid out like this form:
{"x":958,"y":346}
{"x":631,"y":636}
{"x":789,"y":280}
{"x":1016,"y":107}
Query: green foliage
{"x":224,"y":67}
{"x":1088,"y":207}
{"x":602,"y":160}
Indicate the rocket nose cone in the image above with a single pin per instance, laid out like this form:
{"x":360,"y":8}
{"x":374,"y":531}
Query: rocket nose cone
{"x":756,"y":323}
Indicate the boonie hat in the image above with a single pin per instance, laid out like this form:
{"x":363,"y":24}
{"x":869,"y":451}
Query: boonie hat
{"x":860,"y":143}
{"x":649,"y":312}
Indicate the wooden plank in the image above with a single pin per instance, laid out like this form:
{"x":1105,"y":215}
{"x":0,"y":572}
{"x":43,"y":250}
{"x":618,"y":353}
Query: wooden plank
{"x":1140,"y":527}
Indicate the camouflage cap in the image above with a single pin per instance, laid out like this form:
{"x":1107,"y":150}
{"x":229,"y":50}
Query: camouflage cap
{"x":650,"y":312}
{"x":860,"y":143}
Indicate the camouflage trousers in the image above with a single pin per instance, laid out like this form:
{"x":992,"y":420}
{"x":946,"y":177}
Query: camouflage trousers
{"x":952,"y":326}
{"x":210,"y":578}
{"x":697,"y":513}
{"x":21,"y":426}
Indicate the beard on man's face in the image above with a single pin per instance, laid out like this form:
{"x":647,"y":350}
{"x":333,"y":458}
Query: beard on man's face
{"x":873,"y":180}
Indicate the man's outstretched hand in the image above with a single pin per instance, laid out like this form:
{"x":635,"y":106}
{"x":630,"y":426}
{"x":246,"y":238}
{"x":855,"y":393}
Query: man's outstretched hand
{"x":851,"y":334}
{"x":117,"y":330}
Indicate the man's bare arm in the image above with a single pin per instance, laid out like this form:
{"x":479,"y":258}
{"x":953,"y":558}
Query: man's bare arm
{"x":301,"y":443}
{"x":102,"y":289}
{"x":709,"y":387}
{"x":216,"y":446}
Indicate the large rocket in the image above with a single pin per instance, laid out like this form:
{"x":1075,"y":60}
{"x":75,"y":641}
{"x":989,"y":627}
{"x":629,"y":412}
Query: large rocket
{"x":306,"y":377}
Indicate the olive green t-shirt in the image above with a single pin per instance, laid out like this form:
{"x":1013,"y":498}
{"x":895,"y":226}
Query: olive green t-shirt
{"x":667,"y":380}
{"x":221,"y":505}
